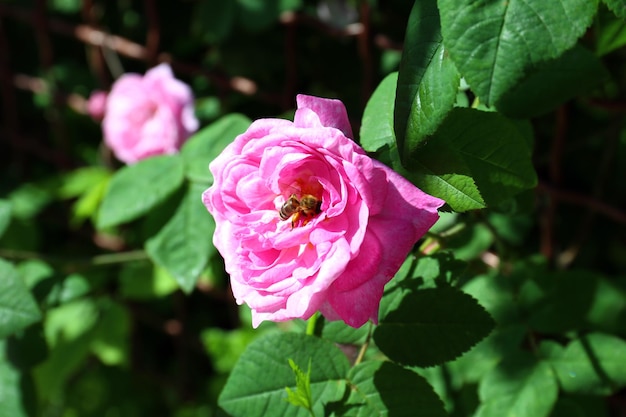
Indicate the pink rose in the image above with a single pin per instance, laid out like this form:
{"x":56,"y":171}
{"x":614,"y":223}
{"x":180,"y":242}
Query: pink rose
{"x":149,"y":115}
{"x":357,"y":220}
{"x":96,"y":104}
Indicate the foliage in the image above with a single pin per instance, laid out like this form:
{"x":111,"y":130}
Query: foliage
{"x":114,"y":301}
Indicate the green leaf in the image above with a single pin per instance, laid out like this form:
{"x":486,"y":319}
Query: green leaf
{"x":574,"y":73}
{"x":89,"y":185}
{"x":34,"y":271}
{"x":256,"y":15}
{"x":226,"y":346}
{"x":520,"y":386}
{"x":425,"y":272}
{"x":594,"y":364}
{"x":441,"y":267}
{"x":60,"y":323}
{"x":427,"y":82}
{"x":5,"y":215}
{"x":377,"y":126}
{"x":65,"y":6}
{"x":213,"y":20}
{"x":493,"y":43}
{"x":206,"y":144}
{"x":29,"y":199}
{"x":70,"y":288}
{"x":136,"y":189}
{"x":482,"y":358}
{"x":608,"y":308}
{"x":566,"y":303}
{"x":144,"y":281}
{"x":184,"y":245}
{"x":18,"y":308}
{"x":340,"y":332}
{"x":565,"y":407}
{"x":111,"y":340}
{"x":69,"y":330}
{"x":384,"y":388}
{"x":496,"y":293}
{"x":12,"y":393}
{"x":611,"y":35}
{"x":476,"y":159}
{"x":617,"y":6}
{"x":80,"y":181}
{"x":301,"y":397}
{"x":256,"y":386}
{"x":432,"y":326}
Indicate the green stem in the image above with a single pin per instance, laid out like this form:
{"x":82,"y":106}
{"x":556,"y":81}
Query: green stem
{"x":315,"y":325}
{"x":365,"y":345}
{"x":118,"y":258}
{"x":107,"y":259}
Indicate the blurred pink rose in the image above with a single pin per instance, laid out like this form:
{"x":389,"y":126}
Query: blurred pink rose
{"x":148,"y":115}
{"x":96,"y":104}
{"x":335,"y":258}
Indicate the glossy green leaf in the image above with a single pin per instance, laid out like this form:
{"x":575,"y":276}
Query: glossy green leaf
{"x":256,"y":386}
{"x":431,"y":326}
{"x":427,"y":82}
{"x":520,"y":386}
{"x":493,"y":43}
{"x":18,"y":308}
{"x":185,"y":243}
{"x":206,"y":144}
{"x":377,"y":125}
{"x":476,"y":159}
{"x":386,"y":389}
{"x":136,"y":189}
{"x":593,"y":364}
{"x":574,"y":73}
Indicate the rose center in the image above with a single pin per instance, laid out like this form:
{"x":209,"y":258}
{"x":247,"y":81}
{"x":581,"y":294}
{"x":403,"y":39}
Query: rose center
{"x":303,"y":204}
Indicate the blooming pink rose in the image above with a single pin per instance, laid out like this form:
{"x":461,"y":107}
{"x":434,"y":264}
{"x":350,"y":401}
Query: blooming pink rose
{"x":357,"y":219}
{"x":149,"y":115}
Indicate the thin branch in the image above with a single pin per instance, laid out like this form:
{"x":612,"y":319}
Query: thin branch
{"x":591,"y":203}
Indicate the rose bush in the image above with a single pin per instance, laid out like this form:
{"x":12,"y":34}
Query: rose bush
{"x":336,"y":259}
{"x":147,"y":115}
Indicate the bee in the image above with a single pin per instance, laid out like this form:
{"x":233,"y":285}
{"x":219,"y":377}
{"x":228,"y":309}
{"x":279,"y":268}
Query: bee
{"x":308,"y":207}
